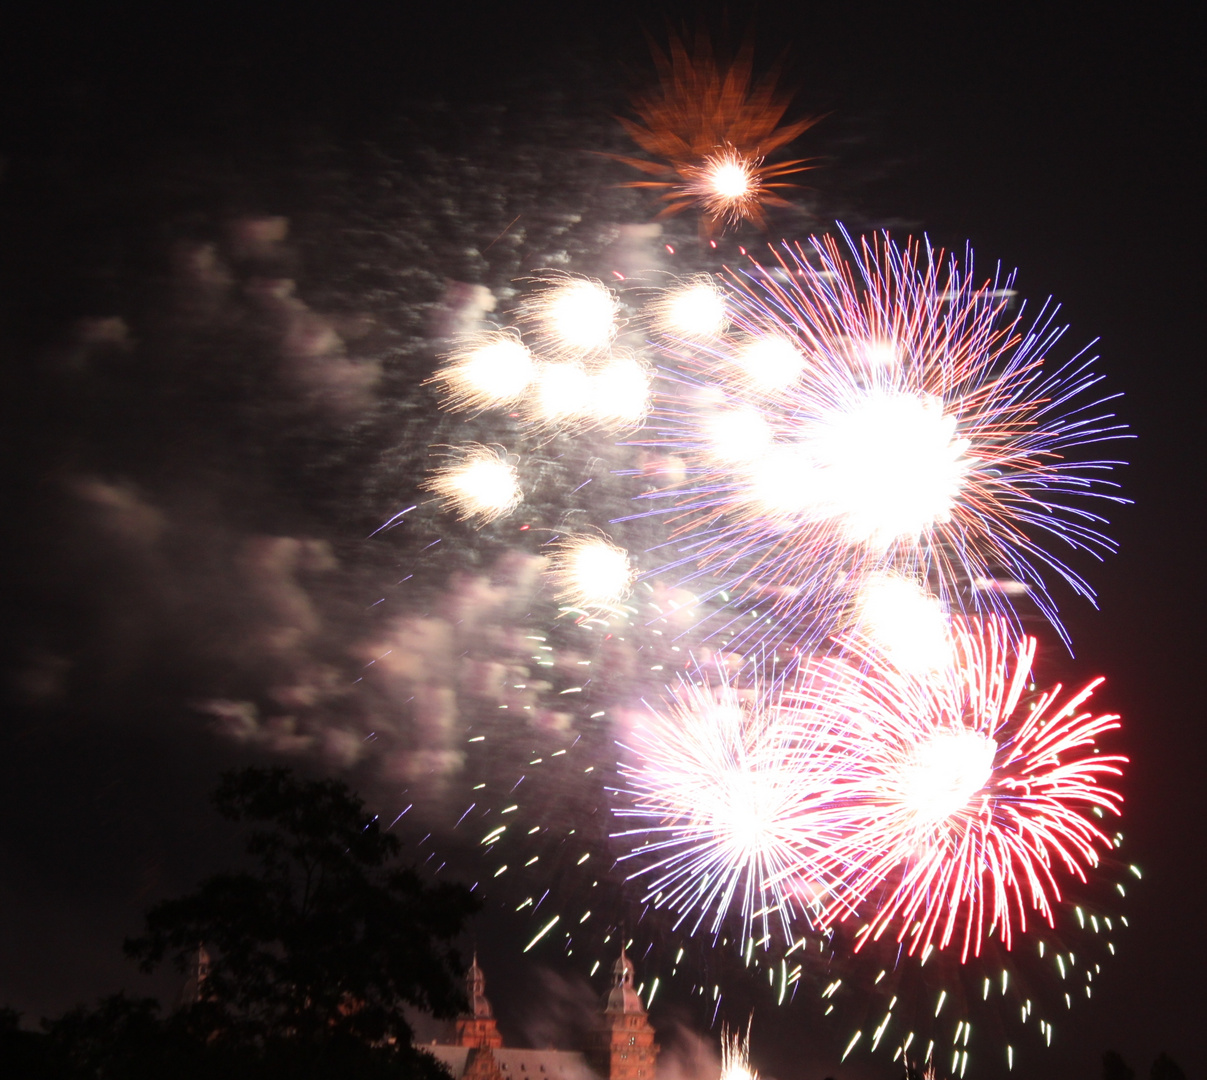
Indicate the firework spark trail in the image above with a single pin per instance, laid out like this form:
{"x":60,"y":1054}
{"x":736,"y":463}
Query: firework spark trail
{"x":735,"y":1055}
{"x":965,"y":801}
{"x":925,"y":433}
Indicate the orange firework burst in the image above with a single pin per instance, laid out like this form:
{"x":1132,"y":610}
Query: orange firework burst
{"x":709,"y":128}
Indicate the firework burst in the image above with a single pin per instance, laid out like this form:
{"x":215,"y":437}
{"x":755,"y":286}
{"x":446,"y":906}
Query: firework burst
{"x":480,"y":484}
{"x":709,"y":127}
{"x":735,"y":1055}
{"x":879,"y":412}
{"x":852,"y":462}
{"x":730,"y":806}
{"x":591,"y":573}
{"x":691,"y":311}
{"x":491,"y":371}
{"x":968,"y":801}
{"x":571,"y":318}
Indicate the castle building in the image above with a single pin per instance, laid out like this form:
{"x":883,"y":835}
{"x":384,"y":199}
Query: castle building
{"x":622,"y":1046}
{"x":624,"y":1042}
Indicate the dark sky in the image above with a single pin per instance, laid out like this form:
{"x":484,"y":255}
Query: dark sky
{"x":1057,"y":139}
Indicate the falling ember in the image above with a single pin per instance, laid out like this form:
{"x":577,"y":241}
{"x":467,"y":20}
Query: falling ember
{"x":482,"y":485}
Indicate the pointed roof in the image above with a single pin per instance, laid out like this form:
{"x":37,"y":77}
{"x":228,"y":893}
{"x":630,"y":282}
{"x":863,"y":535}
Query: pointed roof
{"x":475,"y":986}
{"x":623,"y":998}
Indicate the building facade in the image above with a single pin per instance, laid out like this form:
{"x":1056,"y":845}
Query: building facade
{"x":622,"y":1045}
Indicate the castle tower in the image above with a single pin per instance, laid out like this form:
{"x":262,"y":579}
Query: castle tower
{"x":478,"y":1026}
{"x":624,"y":1043}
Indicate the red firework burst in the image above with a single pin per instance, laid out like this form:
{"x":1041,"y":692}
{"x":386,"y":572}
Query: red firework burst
{"x":968,"y":799}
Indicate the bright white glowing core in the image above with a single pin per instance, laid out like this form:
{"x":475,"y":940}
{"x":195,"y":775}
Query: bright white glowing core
{"x":881,"y":354}
{"x":580,"y":315}
{"x":773,"y":362}
{"x":620,"y":392}
{"x":483,"y":485}
{"x":785,"y":483}
{"x":737,"y":435}
{"x":738,"y":1072}
{"x":563,"y":391}
{"x":729,"y":177}
{"x":744,"y":810}
{"x":906,"y":622}
{"x":886,"y":467}
{"x":892,"y":464}
{"x":694,"y":311}
{"x":946,"y":772}
{"x":591,"y":572}
{"x":496,"y":373}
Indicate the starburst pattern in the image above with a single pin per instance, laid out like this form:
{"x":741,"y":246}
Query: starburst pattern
{"x":968,"y":802}
{"x":880,"y":411}
{"x":709,"y":128}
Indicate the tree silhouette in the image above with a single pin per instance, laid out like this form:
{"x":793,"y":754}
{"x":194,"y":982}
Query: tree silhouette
{"x":1165,"y":1068}
{"x":320,"y":945}
{"x":1115,"y":1068}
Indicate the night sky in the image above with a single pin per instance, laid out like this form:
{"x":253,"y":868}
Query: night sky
{"x":186,"y":502}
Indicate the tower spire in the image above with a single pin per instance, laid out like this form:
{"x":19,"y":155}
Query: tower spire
{"x":624,"y":1042}
{"x":477,"y":1027}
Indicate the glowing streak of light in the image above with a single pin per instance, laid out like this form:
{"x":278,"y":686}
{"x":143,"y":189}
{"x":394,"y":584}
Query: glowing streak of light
{"x":542,"y":932}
